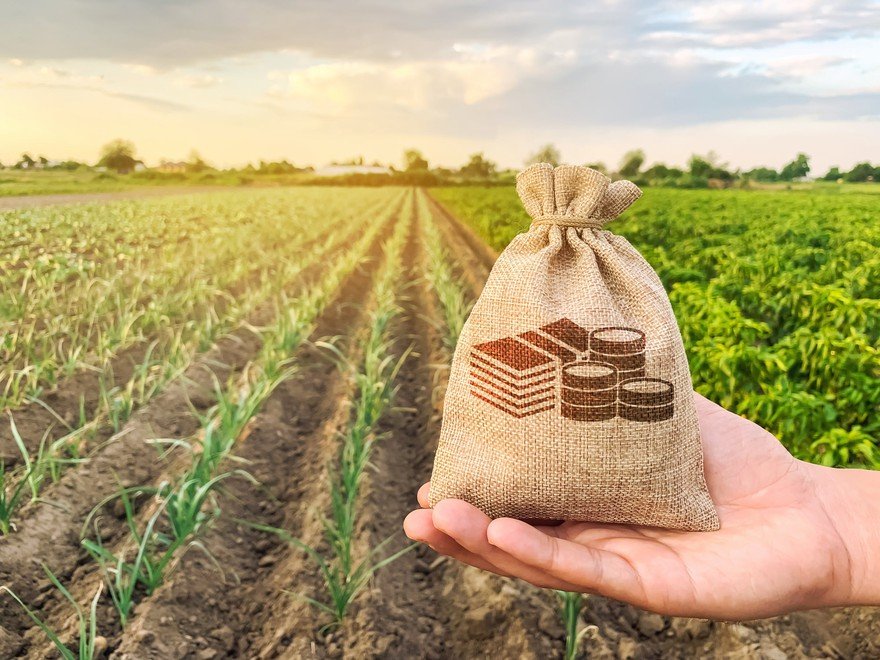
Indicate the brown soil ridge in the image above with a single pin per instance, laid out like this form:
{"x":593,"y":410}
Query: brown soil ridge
{"x":291,"y":440}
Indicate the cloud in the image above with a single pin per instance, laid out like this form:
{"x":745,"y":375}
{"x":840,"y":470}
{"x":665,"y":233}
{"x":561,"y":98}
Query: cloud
{"x":51,"y":77}
{"x":169,"y":34}
{"x":457,"y":68}
{"x":473,"y":74}
{"x":199,"y":81}
{"x":728,"y":24}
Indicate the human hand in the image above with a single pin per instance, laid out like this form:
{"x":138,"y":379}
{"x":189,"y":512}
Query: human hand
{"x":793,"y":536}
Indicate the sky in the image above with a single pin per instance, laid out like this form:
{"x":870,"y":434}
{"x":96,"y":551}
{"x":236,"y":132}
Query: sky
{"x":311,"y":82}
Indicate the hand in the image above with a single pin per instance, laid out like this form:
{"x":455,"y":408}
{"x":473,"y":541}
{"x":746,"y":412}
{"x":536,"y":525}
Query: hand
{"x":793,"y":536}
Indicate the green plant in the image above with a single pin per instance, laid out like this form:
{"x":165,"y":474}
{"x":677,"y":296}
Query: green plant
{"x":777,"y":300}
{"x":149,"y":566}
{"x":343,"y":584}
{"x":344,"y":576}
{"x":570,"y":606}
{"x":87,"y":625}
{"x":454,"y":304}
{"x":12,"y":488}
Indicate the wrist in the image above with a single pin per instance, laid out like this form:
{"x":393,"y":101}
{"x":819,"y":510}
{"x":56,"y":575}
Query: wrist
{"x":851,"y":499}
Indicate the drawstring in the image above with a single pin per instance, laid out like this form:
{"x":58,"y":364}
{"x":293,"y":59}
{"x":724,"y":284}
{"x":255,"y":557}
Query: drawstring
{"x":568,"y":221}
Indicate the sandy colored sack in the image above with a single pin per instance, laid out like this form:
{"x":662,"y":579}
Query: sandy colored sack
{"x":570,"y":396}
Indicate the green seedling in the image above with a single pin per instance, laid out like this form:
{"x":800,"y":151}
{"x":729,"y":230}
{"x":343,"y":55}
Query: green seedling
{"x":87,"y":624}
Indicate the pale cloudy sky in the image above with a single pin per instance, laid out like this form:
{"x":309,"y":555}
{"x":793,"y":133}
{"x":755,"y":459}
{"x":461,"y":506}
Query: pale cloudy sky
{"x":241,"y":80}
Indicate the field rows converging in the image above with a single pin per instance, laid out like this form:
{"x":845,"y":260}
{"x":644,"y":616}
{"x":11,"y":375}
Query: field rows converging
{"x":126,"y":461}
{"x":228,"y":476}
{"x":80,"y":405}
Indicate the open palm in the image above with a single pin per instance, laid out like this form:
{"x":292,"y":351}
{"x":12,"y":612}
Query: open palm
{"x":778,"y":549}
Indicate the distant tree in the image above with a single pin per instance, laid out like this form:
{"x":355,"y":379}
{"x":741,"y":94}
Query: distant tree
{"x":118,"y":155}
{"x":659,"y":171}
{"x":699,"y":166}
{"x":195,"y":163}
{"x":599,"y":167}
{"x":833,"y":174}
{"x":414,"y":161}
{"x":861,"y":172}
{"x":796,"y":169}
{"x":708,"y":167}
{"x":478,"y":166}
{"x":25,"y":163}
{"x":631,"y":163}
{"x":763,"y":174}
{"x":546,"y":154}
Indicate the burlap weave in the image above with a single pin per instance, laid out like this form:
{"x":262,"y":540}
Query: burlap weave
{"x":570,"y":396}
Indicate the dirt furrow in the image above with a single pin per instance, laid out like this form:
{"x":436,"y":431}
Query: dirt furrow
{"x":469,"y":252}
{"x":422,"y":605}
{"x":51,"y":530}
{"x":203,"y":613}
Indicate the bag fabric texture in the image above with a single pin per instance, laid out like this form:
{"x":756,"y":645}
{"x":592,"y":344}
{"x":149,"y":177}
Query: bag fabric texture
{"x":570,"y":396}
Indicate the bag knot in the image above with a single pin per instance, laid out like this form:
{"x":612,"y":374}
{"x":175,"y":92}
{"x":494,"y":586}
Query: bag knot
{"x":573,"y":195}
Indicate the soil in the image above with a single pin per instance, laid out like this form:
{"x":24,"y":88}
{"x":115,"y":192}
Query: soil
{"x":420,"y":606}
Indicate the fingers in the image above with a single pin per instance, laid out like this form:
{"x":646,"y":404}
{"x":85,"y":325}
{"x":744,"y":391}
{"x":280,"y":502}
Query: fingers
{"x":579,"y":565}
{"x":424,"y":492}
{"x":467,"y":525}
{"x":419,"y":526}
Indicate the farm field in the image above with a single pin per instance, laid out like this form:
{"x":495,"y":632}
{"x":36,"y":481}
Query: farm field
{"x":221,"y":405}
{"x":777,"y":295}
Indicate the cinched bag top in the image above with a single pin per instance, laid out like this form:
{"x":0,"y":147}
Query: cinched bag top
{"x":573,"y":195}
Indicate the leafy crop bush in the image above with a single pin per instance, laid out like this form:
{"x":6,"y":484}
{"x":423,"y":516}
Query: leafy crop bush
{"x":777,"y":295}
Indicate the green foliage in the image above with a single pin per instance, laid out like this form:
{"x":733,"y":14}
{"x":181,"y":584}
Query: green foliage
{"x":454,"y":304}
{"x":631,"y":163}
{"x":777,"y":295}
{"x":797,"y":168}
{"x":570,"y":606}
{"x":478,"y":167}
{"x":87,"y":624}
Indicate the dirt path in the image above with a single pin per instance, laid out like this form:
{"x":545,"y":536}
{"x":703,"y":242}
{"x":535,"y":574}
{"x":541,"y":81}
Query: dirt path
{"x":12,"y":203}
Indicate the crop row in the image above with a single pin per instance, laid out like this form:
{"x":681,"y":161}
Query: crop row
{"x":344,"y":569}
{"x":178,"y":511}
{"x":167,"y":357}
{"x":84,"y":283}
{"x":455,"y":304}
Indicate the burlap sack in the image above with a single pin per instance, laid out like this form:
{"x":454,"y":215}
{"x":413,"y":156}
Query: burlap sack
{"x":570,"y":396}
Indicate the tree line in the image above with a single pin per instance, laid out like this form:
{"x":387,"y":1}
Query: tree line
{"x":701,"y":171}
{"x":704,"y":170}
